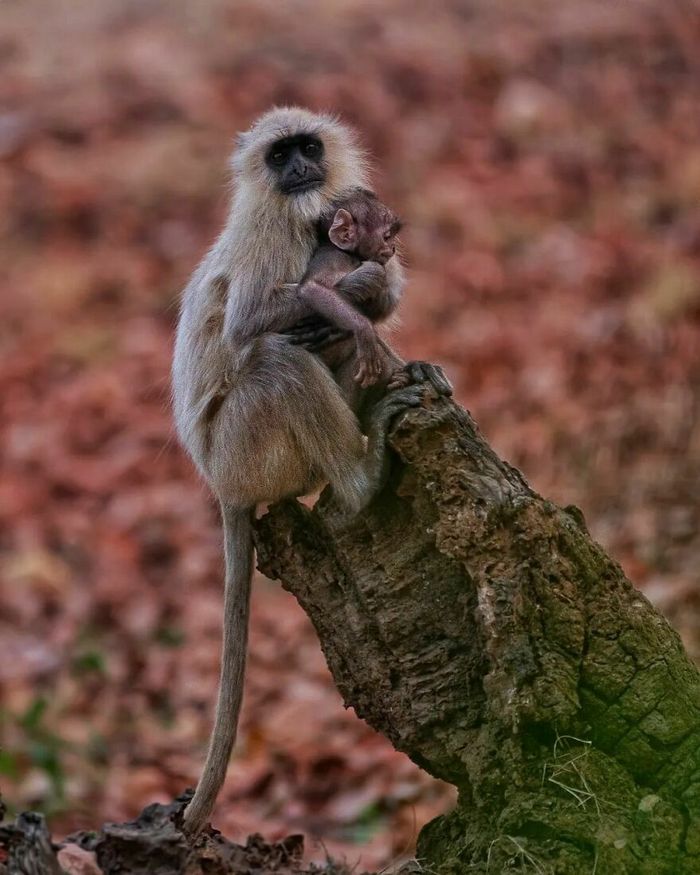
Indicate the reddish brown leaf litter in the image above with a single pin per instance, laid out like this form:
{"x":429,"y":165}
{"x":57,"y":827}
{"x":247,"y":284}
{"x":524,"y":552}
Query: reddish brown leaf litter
{"x":545,"y":157}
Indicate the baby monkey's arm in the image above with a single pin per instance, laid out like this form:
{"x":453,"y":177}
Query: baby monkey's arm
{"x":316,"y":290}
{"x":366,"y":288}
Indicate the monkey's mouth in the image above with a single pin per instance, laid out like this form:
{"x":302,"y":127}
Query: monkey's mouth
{"x":302,"y":186}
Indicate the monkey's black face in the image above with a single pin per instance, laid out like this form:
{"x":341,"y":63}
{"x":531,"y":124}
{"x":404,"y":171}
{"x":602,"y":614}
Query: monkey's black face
{"x":297,"y":163}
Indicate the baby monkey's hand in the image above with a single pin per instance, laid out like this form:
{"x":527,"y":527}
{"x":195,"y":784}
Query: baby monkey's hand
{"x":369,"y":357}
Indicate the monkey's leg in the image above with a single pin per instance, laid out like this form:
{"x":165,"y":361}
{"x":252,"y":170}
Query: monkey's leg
{"x":376,"y":463}
{"x":377,"y":406}
{"x":366,"y":288}
{"x":374,"y":289}
{"x":284,"y":430}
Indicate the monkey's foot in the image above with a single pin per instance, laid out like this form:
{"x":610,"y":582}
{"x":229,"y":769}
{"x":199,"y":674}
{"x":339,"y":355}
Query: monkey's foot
{"x":390,"y":406}
{"x":376,"y":463}
{"x":425,"y":372}
{"x":377,"y":459}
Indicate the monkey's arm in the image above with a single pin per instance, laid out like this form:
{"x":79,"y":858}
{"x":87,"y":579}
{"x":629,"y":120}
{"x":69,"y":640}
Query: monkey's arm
{"x":335,"y":309}
{"x":373,"y":289}
{"x":285,"y":308}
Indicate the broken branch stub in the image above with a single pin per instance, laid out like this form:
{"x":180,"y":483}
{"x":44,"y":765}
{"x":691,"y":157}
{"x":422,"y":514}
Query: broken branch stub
{"x":481,"y":629}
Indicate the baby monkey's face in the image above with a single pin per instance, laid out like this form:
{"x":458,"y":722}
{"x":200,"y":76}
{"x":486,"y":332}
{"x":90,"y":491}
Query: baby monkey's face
{"x":377,"y":242}
{"x":365,"y":227}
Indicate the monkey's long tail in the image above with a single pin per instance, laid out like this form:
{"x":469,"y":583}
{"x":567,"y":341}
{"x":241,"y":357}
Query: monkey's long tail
{"x":238,"y":551}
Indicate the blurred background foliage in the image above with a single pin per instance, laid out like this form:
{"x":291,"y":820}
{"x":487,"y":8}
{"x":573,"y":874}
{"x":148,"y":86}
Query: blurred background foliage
{"x":546,"y":158}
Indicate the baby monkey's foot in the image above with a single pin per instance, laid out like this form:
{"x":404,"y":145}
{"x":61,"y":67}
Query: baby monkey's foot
{"x":425,"y":372}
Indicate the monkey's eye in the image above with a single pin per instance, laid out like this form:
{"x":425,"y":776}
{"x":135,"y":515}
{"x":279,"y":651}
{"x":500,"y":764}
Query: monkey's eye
{"x":279,"y":156}
{"x":311,"y":150}
{"x":388,"y":234}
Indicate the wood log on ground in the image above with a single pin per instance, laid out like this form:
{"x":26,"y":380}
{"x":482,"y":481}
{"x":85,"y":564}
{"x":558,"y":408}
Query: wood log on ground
{"x":151,"y":844}
{"x":481,"y":629}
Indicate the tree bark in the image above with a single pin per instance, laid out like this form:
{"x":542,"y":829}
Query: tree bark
{"x":481,"y":629}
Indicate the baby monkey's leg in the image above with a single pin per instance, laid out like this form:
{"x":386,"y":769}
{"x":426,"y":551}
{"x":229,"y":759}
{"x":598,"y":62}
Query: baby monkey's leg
{"x":366,"y":288}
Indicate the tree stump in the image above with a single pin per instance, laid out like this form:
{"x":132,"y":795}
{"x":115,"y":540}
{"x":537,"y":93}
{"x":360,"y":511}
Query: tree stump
{"x":481,"y":629}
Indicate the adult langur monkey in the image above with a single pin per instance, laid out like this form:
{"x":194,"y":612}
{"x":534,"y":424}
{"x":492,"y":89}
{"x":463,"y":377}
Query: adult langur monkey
{"x":260,"y":415}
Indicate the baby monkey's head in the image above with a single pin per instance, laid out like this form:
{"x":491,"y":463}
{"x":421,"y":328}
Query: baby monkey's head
{"x":361,"y":224}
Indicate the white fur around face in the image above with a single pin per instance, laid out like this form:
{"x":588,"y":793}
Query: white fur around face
{"x":344,"y":161}
{"x":268,"y":240}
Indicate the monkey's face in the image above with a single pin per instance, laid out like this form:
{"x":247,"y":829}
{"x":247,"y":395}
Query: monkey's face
{"x":369,"y":231}
{"x":377,"y":242}
{"x":292,"y":163}
{"x":297,"y":164}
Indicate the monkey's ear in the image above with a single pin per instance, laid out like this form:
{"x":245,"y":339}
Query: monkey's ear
{"x":343,"y":231}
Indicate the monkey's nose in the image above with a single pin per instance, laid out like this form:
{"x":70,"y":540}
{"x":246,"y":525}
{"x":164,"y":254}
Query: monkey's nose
{"x":299,"y":168}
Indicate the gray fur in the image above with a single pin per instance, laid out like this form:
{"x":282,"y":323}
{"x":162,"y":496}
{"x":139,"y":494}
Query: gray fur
{"x":261,"y":418}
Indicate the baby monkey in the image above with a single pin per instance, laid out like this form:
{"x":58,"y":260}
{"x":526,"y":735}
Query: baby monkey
{"x":356,"y":236}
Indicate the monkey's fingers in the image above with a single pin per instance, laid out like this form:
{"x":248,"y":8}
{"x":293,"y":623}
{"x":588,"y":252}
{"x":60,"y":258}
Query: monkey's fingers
{"x":438,"y":380}
{"x":399,"y":379}
{"x":316,"y":343}
{"x":309,"y":336}
{"x":318,"y":340}
{"x":308,"y":322}
{"x":365,"y":376}
{"x":360,"y":375}
{"x":396,"y":402}
{"x":425,"y":372}
{"x":309,"y":333}
{"x":310,"y":327}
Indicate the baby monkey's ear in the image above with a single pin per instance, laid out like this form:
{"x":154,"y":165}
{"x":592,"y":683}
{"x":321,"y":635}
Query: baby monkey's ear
{"x":343,"y":231}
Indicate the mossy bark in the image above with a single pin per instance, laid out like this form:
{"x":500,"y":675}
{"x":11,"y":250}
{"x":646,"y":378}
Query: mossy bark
{"x":481,"y":629}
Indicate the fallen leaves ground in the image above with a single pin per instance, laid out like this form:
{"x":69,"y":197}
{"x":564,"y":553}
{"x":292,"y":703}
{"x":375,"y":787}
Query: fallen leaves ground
{"x":546,"y":157}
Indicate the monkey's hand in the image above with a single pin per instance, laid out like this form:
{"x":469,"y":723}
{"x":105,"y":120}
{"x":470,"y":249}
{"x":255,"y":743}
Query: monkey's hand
{"x":425,"y":372}
{"x":369,"y":357}
{"x":314,"y":334}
